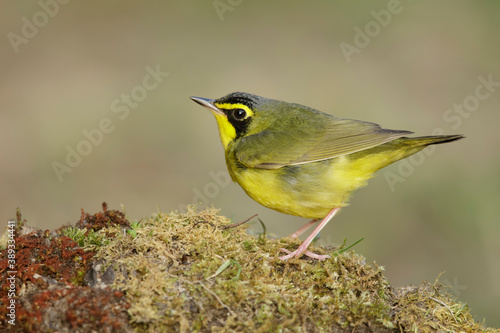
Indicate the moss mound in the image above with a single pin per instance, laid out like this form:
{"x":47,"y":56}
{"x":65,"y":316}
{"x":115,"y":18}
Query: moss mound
{"x":191,"y":273}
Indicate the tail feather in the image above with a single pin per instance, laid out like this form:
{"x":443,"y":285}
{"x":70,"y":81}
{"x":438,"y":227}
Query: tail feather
{"x":432,"y":139}
{"x":376,"y":158}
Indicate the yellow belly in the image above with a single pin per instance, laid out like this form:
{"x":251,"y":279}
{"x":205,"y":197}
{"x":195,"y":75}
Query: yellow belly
{"x":311,"y":190}
{"x":312,"y":198}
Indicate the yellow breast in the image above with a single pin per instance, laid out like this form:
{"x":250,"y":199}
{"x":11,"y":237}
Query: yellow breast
{"x":310,"y":190}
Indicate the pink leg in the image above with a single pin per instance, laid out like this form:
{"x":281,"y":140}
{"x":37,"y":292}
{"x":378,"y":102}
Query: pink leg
{"x":303,"y":247}
{"x":304,"y":228}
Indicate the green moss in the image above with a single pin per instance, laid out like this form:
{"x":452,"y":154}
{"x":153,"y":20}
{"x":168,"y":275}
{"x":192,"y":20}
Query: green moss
{"x":86,"y":238}
{"x":182,"y":272}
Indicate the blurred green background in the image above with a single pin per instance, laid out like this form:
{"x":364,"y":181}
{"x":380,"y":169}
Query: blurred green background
{"x":68,"y":68}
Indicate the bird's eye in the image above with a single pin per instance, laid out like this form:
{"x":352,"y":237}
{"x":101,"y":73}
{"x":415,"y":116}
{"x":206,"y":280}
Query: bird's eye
{"x":239,"y":114}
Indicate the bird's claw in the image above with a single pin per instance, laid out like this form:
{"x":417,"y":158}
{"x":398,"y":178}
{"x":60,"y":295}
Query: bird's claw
{"x":297,"y":254}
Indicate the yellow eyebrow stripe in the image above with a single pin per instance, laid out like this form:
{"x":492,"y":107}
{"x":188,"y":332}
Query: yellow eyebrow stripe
{"x":231,"y":106}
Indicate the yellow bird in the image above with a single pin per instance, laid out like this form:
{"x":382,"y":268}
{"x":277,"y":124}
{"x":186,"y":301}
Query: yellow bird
{"x":303,"y":162}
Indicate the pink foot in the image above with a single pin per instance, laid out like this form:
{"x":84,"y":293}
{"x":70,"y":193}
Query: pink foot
{"x":296,"y":254}
{"x":299,"y":232}
{"x":303,"y":247}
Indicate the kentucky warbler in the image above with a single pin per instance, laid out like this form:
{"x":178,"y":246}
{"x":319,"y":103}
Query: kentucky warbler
{"x":303,"y":162}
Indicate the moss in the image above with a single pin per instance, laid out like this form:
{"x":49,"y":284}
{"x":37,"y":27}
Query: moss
{"x":179,"y":273}
{"x":86,"y":238}
{"x":195,"y":272}
{"x":428,"y":308}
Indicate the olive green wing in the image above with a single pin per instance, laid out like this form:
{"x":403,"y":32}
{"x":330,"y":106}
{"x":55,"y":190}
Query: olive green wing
{"x":300,"y":143}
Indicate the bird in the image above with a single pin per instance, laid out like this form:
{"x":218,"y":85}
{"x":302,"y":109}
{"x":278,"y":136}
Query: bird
{"x":300,"y":161}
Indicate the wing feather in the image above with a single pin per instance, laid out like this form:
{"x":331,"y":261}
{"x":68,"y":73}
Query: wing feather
{"x":298,"y":144}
